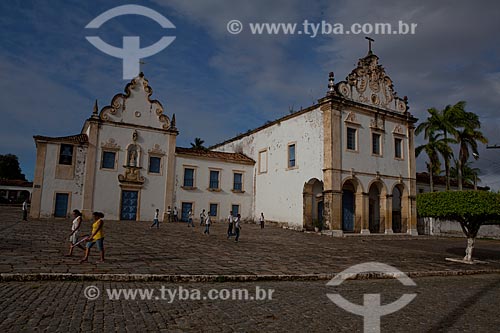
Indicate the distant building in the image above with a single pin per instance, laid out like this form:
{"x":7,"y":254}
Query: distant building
{"x":346,"y":163}
{"x":14,"y":190}
{"x":423,"y":184}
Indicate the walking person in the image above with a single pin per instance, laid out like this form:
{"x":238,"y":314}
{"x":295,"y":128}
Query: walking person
{"x":237,"y":227}
{"x":25,"y":210}
{"x":169,"y":214}
{"x":97,"y":237}
{"x":230,"y":225}
{"x":202,"y":218}
{"x":175,"y":214}
{"x":156,"y":220}
{"x":208,"y":221}
{"x":261,"y":220}
{"x":75,"y":228}
{"x":190,"y":218}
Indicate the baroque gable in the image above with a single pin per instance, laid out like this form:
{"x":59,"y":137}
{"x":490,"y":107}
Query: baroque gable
{"x":135,"y":107}
{"x":369,"y":84}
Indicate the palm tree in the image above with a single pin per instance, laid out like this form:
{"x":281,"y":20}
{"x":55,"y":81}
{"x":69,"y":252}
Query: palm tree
{"x":466,"y":138}
{"x":198,"y":144}
{"x":469,"y":174}
{"x":445,"y":121}
{"x":434,"y":147}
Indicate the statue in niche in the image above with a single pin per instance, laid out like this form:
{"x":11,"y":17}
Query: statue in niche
{"x":132,"y":156}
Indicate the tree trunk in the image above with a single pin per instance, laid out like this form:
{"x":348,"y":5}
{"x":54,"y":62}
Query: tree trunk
{"x":447,"y":166}
{"x":459,"y":174}
{"x":469,"y":249}
{"x":431,"y":181}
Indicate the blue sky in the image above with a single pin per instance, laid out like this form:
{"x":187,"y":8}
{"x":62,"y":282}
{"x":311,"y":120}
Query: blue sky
{"x":219,"y":84}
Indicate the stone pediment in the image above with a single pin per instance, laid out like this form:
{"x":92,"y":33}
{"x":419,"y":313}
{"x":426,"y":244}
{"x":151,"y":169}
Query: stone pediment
{"x":135,"y":107}
{"x":369,"y":84}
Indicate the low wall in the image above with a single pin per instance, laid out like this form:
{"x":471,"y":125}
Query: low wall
{"x":437,"y":227}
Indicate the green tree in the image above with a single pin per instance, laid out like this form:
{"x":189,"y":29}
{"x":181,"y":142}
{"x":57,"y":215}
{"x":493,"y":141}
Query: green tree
{"x":9,"y":167}
{"x":470,"y":208}
{"x":470,"y":175}
{"x":467,"y":138}
{"x":446,"y":122}
{"x":433,"y":148}
{"x":198,"y":144}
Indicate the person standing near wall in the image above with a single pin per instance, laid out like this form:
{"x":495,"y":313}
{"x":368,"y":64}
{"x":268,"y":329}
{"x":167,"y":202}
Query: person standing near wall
{"x":208,"y":221}
{"x":230,"y":225}
{"x":25,"y":210}
{"x":202,"y":218}
{"x":175,"y":214}
{"x":190,"y":218}
{"x":237,"y":227}
{"x":169,"y":214}
{"x":261,"y":220}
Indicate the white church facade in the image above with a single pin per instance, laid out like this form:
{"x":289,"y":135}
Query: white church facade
{"x":346,"y":164}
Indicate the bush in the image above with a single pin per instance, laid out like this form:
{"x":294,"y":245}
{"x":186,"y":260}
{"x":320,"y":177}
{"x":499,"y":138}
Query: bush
{"x":460,"y":205}
{"x":471,"y":208}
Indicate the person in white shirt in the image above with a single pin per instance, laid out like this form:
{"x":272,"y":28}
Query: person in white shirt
{"x":156,"y":221}
{"x":230,"y":225}
{"x":261,"y":220}
{"x":75,"y":228}
{"x":169,"y":214}
{"x":175,"y":214}
{"x":25,"y":210}
{"x":190,"y":218}
{"x":237,"y":227}
{"x":208,"y":221}
{"x":202,"y":217}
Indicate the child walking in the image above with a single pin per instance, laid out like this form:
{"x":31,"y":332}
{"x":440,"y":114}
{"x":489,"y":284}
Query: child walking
{"x":75,"y":228}
{"x":261,"y":220}
{"x":97,"y":236}
{"x":156,"y":221}
{"x":208,"y":221}
{"x":202,"y":218}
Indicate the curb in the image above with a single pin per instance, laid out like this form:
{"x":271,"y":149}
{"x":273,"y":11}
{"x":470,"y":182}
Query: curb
{"x":30,"y":277}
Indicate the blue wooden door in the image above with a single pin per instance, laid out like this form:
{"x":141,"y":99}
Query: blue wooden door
{"x":347,"y":211}
{"x":186,"y":207}
{"x":129,"y":205}
{"x":61,"y":209}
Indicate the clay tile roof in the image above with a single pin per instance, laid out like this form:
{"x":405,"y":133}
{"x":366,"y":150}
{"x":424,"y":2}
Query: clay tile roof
{"x":15,"y":182}
{"x":79,"y":138}
{"x":217,"y":155}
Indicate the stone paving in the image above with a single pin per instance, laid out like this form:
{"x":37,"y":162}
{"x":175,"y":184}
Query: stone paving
{"x":442,"y":304}
{"x":135,"y":248}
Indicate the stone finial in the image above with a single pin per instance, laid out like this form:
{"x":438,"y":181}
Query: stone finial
{"x":172,"y":123}
{"x":96,"y":108}
{"x":331,"y":79}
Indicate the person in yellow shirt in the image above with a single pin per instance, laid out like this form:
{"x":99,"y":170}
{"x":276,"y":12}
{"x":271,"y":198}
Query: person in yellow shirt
{"x":97,"y":236}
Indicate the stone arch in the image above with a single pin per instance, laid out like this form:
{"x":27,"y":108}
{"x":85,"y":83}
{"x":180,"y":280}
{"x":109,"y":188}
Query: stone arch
{"x":312,"y":195}
{"x":377,"y":206}
{"x":352,"y":191}
{"x":399,"y":208}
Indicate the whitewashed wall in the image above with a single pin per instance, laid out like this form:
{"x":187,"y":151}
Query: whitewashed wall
{"x":278,"y":192}
{"x":51,"y":185}
{"x":201,"y":197}
{"x":437,"y":227}
{"x":107,"y":190}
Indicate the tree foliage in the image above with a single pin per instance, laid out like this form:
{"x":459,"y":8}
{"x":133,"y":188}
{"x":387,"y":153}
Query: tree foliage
{"x":9,"y":167}
{"x":461,"y":206}
{"x":471,"y":208}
